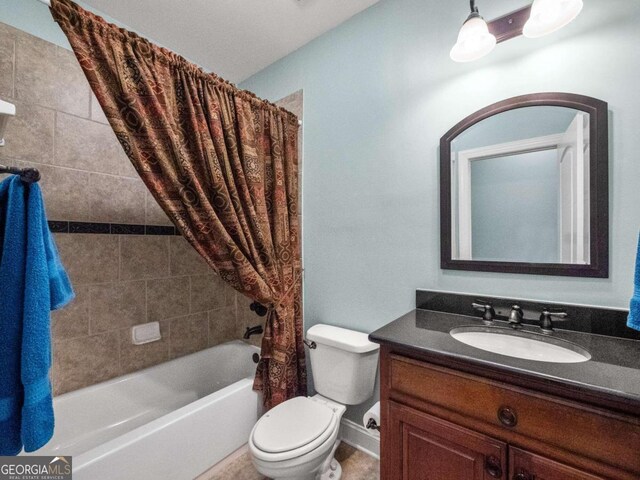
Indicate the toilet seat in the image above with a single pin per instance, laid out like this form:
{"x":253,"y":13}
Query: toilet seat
{"x":293,"y":429}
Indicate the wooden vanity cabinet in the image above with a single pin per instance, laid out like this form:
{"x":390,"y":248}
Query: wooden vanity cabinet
{"x":425,"y":446}
{"x":444,"y":424}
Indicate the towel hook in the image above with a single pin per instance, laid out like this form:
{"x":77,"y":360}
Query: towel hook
{"x":27,"y":175}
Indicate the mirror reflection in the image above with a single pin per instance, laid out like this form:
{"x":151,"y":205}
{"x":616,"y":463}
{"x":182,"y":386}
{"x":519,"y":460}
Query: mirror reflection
{"x":520,"y":187}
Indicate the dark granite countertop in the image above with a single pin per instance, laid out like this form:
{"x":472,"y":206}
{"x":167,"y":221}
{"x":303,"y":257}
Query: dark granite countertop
{"x":611,"y":378}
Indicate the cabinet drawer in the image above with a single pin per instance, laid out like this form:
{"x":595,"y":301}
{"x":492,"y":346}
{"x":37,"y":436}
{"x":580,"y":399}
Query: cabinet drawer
{"x":592,"y":433}
{"x":524,"y":465}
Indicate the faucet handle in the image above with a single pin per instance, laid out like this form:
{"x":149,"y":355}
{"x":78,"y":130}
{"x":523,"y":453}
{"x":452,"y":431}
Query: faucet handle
{"x":516,"y":316}
{"x":546,"y":319}
{"x":488,"y":312}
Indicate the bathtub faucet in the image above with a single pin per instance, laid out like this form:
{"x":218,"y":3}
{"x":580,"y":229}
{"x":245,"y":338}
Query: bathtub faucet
{"x":257,"y":330}
{"x":259,"y":309}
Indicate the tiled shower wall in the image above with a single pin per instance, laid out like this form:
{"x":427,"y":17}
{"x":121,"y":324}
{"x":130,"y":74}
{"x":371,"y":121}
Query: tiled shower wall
{"x":124,"y":280}
{"x":120,"y":280}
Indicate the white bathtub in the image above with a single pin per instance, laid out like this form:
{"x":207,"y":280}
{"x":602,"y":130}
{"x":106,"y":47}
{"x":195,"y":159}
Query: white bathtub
{"x":171,"y":421}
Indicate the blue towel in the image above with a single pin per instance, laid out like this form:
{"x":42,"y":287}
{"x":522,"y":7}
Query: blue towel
{"x":634,"y":309}
{"x":32,"y":283}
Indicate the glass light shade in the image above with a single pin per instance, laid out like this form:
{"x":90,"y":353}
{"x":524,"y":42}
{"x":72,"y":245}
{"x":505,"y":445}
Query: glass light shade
{"x":474,"y":41}
{"x":547,"y":16}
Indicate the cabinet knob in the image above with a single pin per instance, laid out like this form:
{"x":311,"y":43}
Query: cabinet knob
{"x":493,"y":467}
{"x":522,"y":475}
{"x":507,"y":417}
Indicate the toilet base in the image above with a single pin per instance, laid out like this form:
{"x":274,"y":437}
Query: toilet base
{"x":329,"y":470}
{"x":333,"y":472}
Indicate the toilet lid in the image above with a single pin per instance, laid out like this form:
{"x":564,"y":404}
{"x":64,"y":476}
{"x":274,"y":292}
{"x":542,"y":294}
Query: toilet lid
{"x":291,"y":425}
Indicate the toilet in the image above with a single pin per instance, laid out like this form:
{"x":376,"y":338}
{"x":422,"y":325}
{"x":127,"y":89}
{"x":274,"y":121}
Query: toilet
{"x":298,"y":438}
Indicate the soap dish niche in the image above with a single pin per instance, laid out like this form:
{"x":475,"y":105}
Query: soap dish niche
{"x":145,"y":333}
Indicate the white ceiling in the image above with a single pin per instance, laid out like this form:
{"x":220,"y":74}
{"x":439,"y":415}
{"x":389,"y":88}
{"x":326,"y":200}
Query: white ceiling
{"x":233,"y":38}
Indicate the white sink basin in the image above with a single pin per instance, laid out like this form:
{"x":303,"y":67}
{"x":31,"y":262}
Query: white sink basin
{"x":520,"y":344}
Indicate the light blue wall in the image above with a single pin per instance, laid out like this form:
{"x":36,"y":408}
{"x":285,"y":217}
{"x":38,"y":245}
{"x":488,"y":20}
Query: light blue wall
{"x":515,"y":206}
{"x":32,"y":17}
{"x":380,"y":91}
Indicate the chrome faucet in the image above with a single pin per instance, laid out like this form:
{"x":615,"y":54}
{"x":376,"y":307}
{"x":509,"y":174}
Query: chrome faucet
{"x":546,"y":319}
{"x":516,"y":316}
{"x":488,"y":312}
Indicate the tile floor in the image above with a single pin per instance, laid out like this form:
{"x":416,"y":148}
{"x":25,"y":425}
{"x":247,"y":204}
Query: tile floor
{"x":356,"y":465}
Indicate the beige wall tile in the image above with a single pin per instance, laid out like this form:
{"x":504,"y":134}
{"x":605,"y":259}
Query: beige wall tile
{"x":222,"y":325}
{"x":144,"y":257}
{"x":209,"y":292}
{"x":136,"y":357}
{"x":167,"y":298}
{"x":117,"y":305}
{"x":126,"y":167}
{"x":116,"y":199}
{"x":73,"y":90}
{"x":50,"y":76}
{"x":84,"y":361}
{"x":185,"y":260}
{"x":97,"y":113}
{"x":87,"y":145}
{"x":188,"y":334}
{"x":29,"y":135}
{"x":73,"y":320}
{"x":292,"y":103}
{"x":89,"y":258}
{"x":6,"y":64}
{"x":66,"y":193}
{"x":154,"y":213}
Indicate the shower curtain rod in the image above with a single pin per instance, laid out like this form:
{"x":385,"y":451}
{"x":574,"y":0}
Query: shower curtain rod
{"x":48,"y":3}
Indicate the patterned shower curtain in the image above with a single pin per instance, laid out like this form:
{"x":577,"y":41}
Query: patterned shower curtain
{"x":223,"y":165}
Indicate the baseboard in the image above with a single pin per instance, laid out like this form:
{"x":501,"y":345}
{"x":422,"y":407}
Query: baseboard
{"x":359,"y":437}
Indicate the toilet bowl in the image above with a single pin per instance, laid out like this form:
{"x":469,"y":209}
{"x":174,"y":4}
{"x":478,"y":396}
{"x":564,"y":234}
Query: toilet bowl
{"x":297,"y":439}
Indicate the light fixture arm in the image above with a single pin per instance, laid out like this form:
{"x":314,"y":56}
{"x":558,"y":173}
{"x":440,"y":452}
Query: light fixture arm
{"x":475,"y":13}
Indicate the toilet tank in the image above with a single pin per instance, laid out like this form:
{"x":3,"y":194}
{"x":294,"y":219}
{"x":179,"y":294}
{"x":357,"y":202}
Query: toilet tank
{"x":344,"y":363}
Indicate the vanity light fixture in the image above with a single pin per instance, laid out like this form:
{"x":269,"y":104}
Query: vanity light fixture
{"x":474,"y":40}
{"x":547,"y":16}
{"x":477,"y":38}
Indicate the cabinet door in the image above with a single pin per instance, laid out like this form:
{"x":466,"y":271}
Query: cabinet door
{"x":423,"y":447}
{"x":528,"y":466}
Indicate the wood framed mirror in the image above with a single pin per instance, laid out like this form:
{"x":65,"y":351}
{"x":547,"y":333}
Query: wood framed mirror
{"x":524,"y":188}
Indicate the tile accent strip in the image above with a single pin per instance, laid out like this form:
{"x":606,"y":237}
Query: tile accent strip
{"x":57,"y":226}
